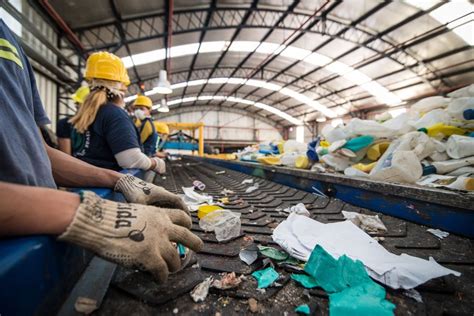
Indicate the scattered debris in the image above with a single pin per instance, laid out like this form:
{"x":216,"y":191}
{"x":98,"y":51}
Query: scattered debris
{"x":224,"y":223}
{"x":193,"y":199}
{"x":414,"y":294}
{"x":438,"y":233}
{"x":85,"y":305}
{"x":224,"y":200}
{"x":249,"y":254}
{"x":199,"y":185}
{"x":227,"y":192}
{"x":253,"y":305}
{"x":228,"y":281}
{"x":265,"y":277}
{"x":248,"y":238}
{"x":303,"y":309}
{"x":200,"y":291}
{"x":175,"y":310}
{"x":247,"y":181}
{"x":220,"y":172}
{"x":297,"y":234}
{"x":252,"y":188}
{"x":371,"y":224}
{"x":273,"y":253}
{"x":299,"y":209}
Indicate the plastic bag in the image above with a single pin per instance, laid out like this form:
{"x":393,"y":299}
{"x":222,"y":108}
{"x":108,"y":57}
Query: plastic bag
{"x":459,"y":146}
{"x":432,"y":118}
{"x":365,"y":127}
{"x":429,"y":104}
{"x":291,"y":146}
{"x":467,"y":91}
{"x":399,"y":124}
{"x":224,"y":223}
{"x":289,"y":158}
{"x":336,"y":162}
{"x":457,"y":107}
{"x":332,"y":134}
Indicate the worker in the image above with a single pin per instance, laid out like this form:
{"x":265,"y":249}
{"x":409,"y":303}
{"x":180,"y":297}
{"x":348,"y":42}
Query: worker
{"x":144,"y":123}
{"x":163,"y":132}
{"x":63,"y":127}
{"x":134,"y":235}
{"x":103,"y":133}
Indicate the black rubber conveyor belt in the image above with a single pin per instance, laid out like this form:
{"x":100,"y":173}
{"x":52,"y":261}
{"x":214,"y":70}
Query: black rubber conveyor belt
{"x":134,"y":293}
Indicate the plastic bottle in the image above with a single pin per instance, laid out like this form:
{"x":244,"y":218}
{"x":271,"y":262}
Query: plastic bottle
{"x":302,"y":162}
{"x":365,"y":167}
{"x":460,"y":146}
{"x":442,"y":130}
{"x":311,"y":152}
{"x":399,"y":166}
{"x":468,"y":114}
{"x":443,"y":167}
{"x":463,"y":183}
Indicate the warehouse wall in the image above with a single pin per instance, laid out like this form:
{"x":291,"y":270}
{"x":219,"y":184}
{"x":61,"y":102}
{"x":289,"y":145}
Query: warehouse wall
{"x":235,"y":126}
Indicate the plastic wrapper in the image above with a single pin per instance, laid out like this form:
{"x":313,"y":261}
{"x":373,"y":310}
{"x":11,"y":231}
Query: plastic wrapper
{"x":224,"y":223}
{"x":336,"y":162}
{"x":429,"y":104}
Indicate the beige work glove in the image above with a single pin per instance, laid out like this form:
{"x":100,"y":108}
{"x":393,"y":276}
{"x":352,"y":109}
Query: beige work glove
{"x":136,"y":190}
{"x":160,"y":167}
{"x":133,"y":235}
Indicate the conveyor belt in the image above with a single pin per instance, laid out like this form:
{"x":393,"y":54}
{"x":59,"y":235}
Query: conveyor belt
{"x":133,"y":292}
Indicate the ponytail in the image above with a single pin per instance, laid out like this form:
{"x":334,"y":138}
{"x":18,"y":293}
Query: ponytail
{"x":88,"y":110}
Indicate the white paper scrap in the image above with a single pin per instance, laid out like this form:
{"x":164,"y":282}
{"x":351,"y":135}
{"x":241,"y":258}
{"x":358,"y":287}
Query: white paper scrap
{"x":299,"y":209}
{"x":438,"y":233}
{"x":247,"y":181}
{"x":298,"y":235}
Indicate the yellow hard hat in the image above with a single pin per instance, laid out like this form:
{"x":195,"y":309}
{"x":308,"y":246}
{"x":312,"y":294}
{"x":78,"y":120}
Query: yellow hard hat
{"x":143,"y":101}
{"x":80,"y":95}
{"x":161,"y":128}
{"x":104,"y":65}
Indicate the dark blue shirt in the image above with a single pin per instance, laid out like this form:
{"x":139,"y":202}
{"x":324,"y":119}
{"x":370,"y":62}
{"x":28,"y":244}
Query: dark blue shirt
{"x":23,"y":157}
{"x":64,"y":128}
{"x":111,"y":133}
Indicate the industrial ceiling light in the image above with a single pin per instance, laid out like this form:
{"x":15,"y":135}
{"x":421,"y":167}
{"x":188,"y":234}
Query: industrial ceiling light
{"x":163,"y":86}
{"x":163,"y":107}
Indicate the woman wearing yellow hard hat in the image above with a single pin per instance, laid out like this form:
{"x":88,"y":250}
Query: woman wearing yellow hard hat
{"x":103,"y":133}
{"x":144,"y":123}
{"x":64,"y":128}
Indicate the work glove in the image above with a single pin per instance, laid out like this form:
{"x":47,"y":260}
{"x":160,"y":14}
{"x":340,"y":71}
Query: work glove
{"x":133,"y":235}
{"x":136,"y":190}
{"x":160,"y":167}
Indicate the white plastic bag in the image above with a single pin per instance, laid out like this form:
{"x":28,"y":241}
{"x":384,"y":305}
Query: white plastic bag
{"x":365,"y":127}
{"x":335,"y":161}
{"x":224,"y":223}
{"x":431,"y":118}
{"x":399,"y":124}
{"x":333,"y":134}
{"x":429,"y":104}
{"x":291,"y":146}
{"x":459,"y":146}
{"x":289,"y":158}
{"x":467,"y":91}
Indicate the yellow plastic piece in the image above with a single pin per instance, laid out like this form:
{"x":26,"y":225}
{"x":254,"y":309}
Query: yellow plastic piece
{"x":203,"y":210}
{"x":324,"y":144}
{"x":80,"y":95}
{"x":365,"y":167}
{"x":161,"y":128}
{"x":224,"y":200}
{"x":302,"y":162}
{"x":104,"y":65}
{"x":143,"y":100}
{"x":221,"y":156}
{"x":377,"y":150}
{"x":281,"y":147}
{"x":446,"y":130}
{"x":269,"y":160}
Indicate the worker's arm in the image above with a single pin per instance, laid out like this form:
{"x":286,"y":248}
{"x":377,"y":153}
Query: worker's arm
{"x":26,"y":210}
{"x":64,"y":145}
{"x":72,"y":172}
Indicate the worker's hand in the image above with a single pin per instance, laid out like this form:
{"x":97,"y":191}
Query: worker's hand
{"x":133,"y":235}
{"x":160,"y":165}
{"x":161,"y":154}
{"x":138,"y":191}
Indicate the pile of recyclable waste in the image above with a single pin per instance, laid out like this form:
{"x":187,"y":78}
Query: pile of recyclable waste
{"x":432,"y":144}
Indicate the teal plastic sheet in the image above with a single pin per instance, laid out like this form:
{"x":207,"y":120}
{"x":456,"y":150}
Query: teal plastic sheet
{"x":265,"y":277}
{"x":273,"y":253}
{"x":352,"y":291}
{"x":358,"y":143}
{"x":305,"y":280}
{"x":303,"y":309}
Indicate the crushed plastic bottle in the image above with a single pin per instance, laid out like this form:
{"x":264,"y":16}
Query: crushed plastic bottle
{"x":224,"y":223}
{"x":459,"y":146}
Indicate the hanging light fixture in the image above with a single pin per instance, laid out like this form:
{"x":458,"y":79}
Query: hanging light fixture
{"x":163,"y":86}
{"x":163,"y":107}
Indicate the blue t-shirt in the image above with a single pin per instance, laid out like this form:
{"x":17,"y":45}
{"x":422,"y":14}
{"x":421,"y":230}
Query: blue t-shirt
{"x":23,"y":157}
{"x":64,"y":128}
{"x":112,"y":132}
